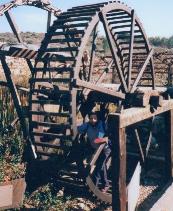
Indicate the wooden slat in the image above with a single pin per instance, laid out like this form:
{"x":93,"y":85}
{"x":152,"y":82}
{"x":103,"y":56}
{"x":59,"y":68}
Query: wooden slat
{"x":51,"y":124}
{"x":72,"y":19}
{"x":62,"y":49}
{"x":44,"y":113}
{"x":44,"y":144}
{"x":47,"y":101}
{"x":77,"y":14}
{"x":121,"y":26}
{"x":64,"y":80}
{"x":121,"y":17}
{"x":53,"y":69}
{"x":53,"y":135}
{"x":116,"y":14}
{"x":121,"y":21}
{"x":70,"y":32}
{"x":80,"y":11}
{"x":68,"y":26}
{"x":64,"y":40}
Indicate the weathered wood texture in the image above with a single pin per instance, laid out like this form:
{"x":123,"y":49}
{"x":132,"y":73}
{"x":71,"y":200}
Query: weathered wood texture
{"x":169,"y":145}
{"x":134,"y":115}
{"x":117,"y":136}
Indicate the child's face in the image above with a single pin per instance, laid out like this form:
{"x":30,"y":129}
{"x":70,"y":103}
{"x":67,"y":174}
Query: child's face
{"x":93,"y":119}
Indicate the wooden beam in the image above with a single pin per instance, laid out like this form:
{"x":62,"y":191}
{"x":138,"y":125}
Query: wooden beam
{"x":131,"y":48}
{"x":74,"y":112}
{"x":49,"y":16}
{"x":141,"y":71}
{"x":139,"y":145}
{"x":133,"y":115}
{"x":152,"y":72}
{"x":117,"y":136}
{"x":97,"y":88}
{"x":169,"y":145}
{"x":113,"y":51}
{"x":13,"y":26}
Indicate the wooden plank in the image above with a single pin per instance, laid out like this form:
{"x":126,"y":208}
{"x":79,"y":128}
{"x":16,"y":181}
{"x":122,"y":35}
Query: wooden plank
{"x":70,"y":32}
{"x":131,"y":49}
{"x":139,"y":145}
{"x":63,"y":49}
{"x":65,"y":20}
{"x":53,"y":69}
{"x":120,"y":21}
{"x":169,"y":145}
{"x":78,"y":14}
{"x":51,"y":124}
{"x":52,"y":135}
{"x":117,"y":136}
{"x":49,"y":16}
{"x":74,"y":112}
{"x":101,"y":89}
{"x":41,"y":80}
{"x":113,"y":50}
{"x":44,"y":113}
{"x":121,"y":17}
{"x":67,"y":26}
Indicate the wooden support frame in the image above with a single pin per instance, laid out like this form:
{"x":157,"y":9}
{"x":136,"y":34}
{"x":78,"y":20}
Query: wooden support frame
{"x":97,"y":88}
{"x":116,"y":130}
{"x":169,"y":145}
{"x":117,"y":135}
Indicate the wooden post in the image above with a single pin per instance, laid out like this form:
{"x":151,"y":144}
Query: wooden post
{"x":169,"y":145}
{"x":117,"y":136}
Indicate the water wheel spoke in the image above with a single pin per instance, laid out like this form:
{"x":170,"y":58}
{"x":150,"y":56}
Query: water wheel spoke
{"x":113,"y":51}
{"x":13,"y":26}
{"x":96,"y":155}
{"x":141,"y":71}
{"x":131,"y":47}
{"x":93,"y":52}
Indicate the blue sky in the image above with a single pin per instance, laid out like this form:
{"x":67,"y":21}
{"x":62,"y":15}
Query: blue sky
{"x":155,"y":15}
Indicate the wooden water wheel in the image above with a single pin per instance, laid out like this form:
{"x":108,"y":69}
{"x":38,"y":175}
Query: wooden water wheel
{"x":66,"y":83}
